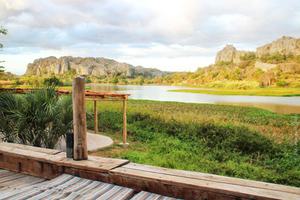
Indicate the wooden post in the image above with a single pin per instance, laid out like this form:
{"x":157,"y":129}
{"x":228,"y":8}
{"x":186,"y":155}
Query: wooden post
{"x":79,"y":119}
{"x":95,"y":117}
{"x":124,"y":122}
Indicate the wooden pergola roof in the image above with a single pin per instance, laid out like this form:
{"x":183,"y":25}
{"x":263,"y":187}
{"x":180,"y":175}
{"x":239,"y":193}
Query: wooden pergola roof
{"x":88,"y":93}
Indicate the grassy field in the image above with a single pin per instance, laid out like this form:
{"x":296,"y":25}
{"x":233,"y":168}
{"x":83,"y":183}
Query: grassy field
{"x":227,"y":140}
{"x":250,"y":92}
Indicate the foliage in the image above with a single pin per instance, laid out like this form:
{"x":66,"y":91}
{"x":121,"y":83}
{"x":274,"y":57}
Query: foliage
{"x":115,"y":80}
{"x":1,"y":69}
{"x":276,"y":58}
{"x":246,"y":90}
{"x":232,"y":84}
{"x":88,"y":80}
{"x":282,"y":83}
{"x":248,"y":56}
{"x":52,"y":81}
{"x":141,"y":80}
{"x":39,"y":118}
{"x":223,"y":63}
{"x":226,"y":140}
{"x":3,"y":31}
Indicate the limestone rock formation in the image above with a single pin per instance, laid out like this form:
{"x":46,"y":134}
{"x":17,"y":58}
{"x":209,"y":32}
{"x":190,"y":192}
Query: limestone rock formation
{"x":269,"y":64}
{"x":284,"y":46}
{"x":100,"y":67}
{"x":264,"y":66}
{"x":230,"y":54}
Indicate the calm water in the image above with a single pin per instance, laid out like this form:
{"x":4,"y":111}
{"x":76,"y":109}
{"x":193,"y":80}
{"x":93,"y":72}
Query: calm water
{"x":161,"y":93}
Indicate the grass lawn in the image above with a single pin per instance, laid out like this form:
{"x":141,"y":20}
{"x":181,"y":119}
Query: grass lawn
{"x":249,"y":92}
{"x":227,"y":140}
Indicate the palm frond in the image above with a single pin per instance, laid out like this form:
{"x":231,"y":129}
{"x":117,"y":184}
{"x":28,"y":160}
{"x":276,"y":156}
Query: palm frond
{"x":39,"y":118}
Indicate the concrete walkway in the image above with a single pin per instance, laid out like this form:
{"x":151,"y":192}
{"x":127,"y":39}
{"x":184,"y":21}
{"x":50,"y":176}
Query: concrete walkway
{"x":95,"y":142}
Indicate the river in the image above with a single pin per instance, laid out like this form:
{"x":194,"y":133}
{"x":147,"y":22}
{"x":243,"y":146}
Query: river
{"x":284,"y":105}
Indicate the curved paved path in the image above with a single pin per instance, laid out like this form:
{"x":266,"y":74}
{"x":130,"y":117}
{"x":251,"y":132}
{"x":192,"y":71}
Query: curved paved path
{"x":95,"y":142}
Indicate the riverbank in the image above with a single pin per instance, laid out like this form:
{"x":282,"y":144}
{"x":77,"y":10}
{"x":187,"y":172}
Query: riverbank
{"x":280,"y":92}
{"x":227,"y":140}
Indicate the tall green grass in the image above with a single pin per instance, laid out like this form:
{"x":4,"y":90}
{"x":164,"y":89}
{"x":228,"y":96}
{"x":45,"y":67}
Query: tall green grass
{"x":226,"y":140}
{"x":250,"y":92}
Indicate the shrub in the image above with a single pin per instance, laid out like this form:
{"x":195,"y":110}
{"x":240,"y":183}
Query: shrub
{"x":248,"y":56}
{"x":53,"y":81}
{"x":39,"y":118}
{"x":282,"y":83}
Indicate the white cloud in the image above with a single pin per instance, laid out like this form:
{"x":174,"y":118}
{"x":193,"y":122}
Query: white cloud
{"x":169,"y":34}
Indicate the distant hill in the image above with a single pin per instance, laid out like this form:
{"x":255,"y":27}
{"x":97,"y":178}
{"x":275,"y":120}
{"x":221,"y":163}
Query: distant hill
{"x":97,"y":67}
{"x":273,"y":64}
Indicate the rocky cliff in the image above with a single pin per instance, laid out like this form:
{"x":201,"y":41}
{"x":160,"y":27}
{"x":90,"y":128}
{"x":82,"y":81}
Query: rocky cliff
{"x":99,"y":67}
{"x":284,"y":46}
{"x":276,"y":64}
{"x":229,"y":54}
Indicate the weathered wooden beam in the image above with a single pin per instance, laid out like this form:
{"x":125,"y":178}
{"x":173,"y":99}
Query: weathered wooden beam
{"x":88,"y":94}
{"x":95,"y":117}
{"x":48,"y":163}
{"x":79,"y":119}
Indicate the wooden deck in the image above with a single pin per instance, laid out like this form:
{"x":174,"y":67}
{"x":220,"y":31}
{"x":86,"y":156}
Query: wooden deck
{"x":50,"y":164}
{"x":19,"y":186}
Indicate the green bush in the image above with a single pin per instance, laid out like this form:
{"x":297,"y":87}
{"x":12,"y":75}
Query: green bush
{"x":39,"y":118}
{"x":282,"y":83}
{"x":248,"y":56}
{"x":53,"y":82}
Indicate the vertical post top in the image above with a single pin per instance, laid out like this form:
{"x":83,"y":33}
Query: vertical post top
{"x":78,"y":79}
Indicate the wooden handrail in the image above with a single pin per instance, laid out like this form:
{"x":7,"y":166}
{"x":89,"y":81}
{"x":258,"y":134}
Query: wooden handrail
{"x":88,"y":93}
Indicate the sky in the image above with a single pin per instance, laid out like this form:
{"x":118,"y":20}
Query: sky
{"x":171,"y":35}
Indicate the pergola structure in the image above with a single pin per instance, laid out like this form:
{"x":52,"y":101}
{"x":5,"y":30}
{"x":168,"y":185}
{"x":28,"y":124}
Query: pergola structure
{"x":91,"y":96}
{"x":105,"y":96}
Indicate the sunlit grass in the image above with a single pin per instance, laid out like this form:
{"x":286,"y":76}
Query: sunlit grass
{"x":227,"y":140}
{"x":249,"y":92}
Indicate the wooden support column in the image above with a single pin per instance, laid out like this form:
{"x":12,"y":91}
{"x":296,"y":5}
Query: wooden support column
{"x":95,"y":117}
{"x":124,"y":121}
{"x":79,"y":119}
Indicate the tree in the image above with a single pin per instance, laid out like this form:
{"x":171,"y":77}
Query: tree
{"x":53,"y":81}
{"x":141,"y":80}
{"x":115,"y":80}
{"x":3,"y":31}
{"x":1,"y":67}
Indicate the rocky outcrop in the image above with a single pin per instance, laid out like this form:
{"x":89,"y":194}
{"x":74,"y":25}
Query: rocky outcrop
{"x":269,"y":64}
{"x":284,"y":46}
{"x":267,"y":79}
{"x":100,"y":67}
{"x":229,"y":54}
{"x":291,"y":68}
{"x":264,"y":66}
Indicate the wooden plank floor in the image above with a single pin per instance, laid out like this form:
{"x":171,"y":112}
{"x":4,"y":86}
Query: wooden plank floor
{"x":20,"y":186}
{"x":47,"y":163}
{"x":96,"y":163}
{"x":141,"y":176}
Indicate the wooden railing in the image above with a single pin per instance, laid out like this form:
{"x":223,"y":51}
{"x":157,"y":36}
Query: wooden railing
{"x":48,"y":163}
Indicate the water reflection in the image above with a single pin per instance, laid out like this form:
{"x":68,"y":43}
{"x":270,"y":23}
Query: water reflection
{"x":160,"y":93}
